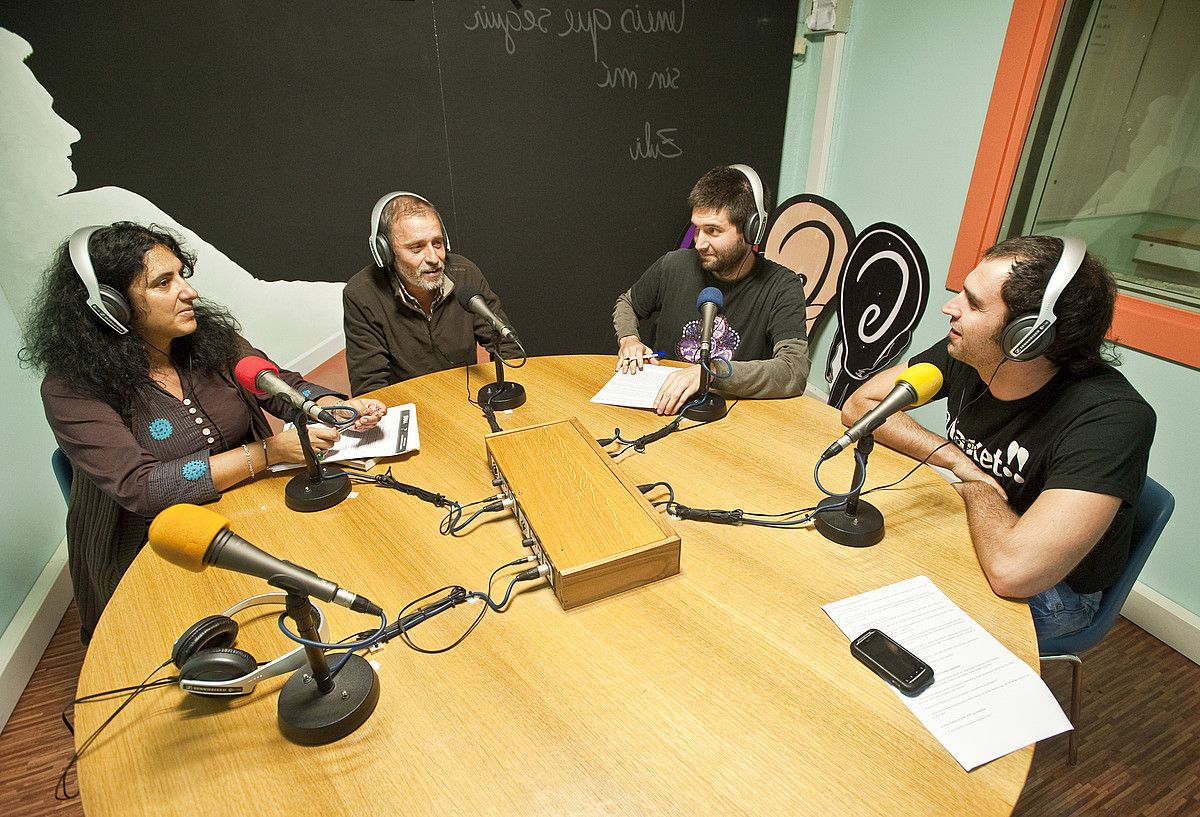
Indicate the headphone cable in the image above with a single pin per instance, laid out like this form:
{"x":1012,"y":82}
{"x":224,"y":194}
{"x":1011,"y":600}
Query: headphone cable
{"x":60,"y":788}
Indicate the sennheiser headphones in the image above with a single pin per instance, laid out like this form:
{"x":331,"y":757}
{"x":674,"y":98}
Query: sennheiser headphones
{"x":756,"y":224}
{"x":1030,"y":335}
{"x":209,"y":664}
{"x":108,"y":305}
{"x":381,"y":250}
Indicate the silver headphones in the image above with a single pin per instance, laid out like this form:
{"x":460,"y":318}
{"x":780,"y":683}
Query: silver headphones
{"x":381,"y":250}
{"x":756,"y":225}
{"x":1030,"y":335}
{"x":105,"y":302}
{"x":209,"y":664}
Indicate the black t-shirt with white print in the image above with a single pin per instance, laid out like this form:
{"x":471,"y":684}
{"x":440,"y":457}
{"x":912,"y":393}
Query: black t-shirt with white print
{"x":1088,"y":432}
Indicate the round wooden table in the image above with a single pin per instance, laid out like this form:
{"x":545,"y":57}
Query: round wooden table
{"x":722,"y":690}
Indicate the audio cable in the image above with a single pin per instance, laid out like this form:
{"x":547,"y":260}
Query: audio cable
{"x":453,"y":523}
{"x":488,"y":412}
{"x":712,"y":374}
{"x":386,"y":480}
{"x":786,"y":519}
{"x":346,"y":423}
{"x":860,"y":461}
{"x":639,"y":444}
{"x":452,"y":596}
{"x":366,"y":639}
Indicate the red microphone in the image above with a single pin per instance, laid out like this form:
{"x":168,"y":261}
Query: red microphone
{"x":260,"y":376}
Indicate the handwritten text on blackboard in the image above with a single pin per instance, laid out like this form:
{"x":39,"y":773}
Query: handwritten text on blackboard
{"x":589,"y":23}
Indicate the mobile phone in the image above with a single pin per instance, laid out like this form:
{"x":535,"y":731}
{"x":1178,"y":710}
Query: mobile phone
{"x":891,"y":662}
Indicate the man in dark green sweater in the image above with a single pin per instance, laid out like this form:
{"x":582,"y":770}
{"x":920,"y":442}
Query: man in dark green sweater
{"x":761,"y":332}
{"x":400,"y":318}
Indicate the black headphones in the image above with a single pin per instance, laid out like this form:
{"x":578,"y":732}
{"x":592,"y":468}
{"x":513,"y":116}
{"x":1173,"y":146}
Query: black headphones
{"x":105,"y":302}
{"x":209,"y":664}
{"x":756,"y":224}
{"x":381,"y":250}
{"x":1028,"y":336}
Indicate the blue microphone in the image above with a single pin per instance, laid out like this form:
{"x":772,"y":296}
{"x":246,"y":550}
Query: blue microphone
{"x":709,"y":303}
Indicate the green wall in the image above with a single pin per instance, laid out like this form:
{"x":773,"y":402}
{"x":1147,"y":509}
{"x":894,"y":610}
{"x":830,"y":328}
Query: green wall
{"x":915,"y":84}
{"x":30,"y":503}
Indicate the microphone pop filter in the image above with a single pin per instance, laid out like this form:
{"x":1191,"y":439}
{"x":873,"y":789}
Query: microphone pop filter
{"x":249,"y":368}
{"x":710,"y":295}
{"x":181,"y":534}
{"x":464,"y":293}
{"x":925,"y":379}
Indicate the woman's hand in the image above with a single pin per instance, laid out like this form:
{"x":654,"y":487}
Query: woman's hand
{"x":370,"y":412}
{"x":285,"y":446}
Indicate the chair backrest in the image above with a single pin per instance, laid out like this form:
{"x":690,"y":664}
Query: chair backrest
{"x":62,"y":472}
{"x":1154,"y":508}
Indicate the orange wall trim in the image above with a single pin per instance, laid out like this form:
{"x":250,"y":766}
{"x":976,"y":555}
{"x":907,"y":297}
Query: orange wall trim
{"x":1031,"y":29}
{"x":1166,"y":331}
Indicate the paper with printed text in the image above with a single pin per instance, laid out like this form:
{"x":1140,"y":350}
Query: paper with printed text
{"x":984,"y":701}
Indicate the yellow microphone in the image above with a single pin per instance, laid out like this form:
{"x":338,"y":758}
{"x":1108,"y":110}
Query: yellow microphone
{"x":182,"y":534}
{"x":194,"y":538}
{"x":915,"y":386}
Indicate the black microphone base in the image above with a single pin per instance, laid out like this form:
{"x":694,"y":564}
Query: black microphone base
{"x":309,"y":718}
{"x":712,"y":407}
{"x":304,"y":495}
{"x":502,"y":396}
{"x":862,"y":529}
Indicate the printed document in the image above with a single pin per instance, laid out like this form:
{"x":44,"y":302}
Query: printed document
{"x":984,"y":701}
{"x":634,"y":390}
{"x":395,"y":434}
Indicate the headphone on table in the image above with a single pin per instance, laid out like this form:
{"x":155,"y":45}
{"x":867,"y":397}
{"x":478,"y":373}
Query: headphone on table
{"x":1028,"y":336}
{"x":209,"y":664}
{"x":756,"y":224}
{"x":105,"y":302}
{"x":381,"y":250}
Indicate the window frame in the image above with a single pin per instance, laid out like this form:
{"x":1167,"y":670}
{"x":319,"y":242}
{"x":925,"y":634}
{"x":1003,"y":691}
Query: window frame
{"x":1165,"y":330}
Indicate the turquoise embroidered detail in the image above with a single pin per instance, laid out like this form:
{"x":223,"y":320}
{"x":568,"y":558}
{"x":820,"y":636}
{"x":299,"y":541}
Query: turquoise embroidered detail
{"x":160,"y":429}
{"x":194,"y":469}
{"x":307,"y":392}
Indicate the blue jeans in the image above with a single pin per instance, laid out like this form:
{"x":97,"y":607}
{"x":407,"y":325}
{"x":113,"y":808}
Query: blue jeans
{"x":1062,"y":611}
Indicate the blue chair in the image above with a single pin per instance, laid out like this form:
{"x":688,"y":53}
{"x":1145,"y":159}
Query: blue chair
{"x":62,"y":472}
{"x":1153,"y":510}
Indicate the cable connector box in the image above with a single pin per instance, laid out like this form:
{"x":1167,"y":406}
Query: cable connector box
{"x":586,"y":519}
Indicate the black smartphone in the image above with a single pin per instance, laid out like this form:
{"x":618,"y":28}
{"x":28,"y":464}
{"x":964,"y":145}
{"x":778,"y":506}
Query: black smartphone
{"x":891,"y":662}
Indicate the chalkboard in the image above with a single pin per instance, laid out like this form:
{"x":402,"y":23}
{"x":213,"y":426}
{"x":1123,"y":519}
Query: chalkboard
{"x":559,"y":139}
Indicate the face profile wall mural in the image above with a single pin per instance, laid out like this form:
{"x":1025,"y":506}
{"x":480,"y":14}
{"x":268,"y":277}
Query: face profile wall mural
{"x":40,"y":206}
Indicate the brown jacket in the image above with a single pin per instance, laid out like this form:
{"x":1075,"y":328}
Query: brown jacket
{"x":389,"y":340}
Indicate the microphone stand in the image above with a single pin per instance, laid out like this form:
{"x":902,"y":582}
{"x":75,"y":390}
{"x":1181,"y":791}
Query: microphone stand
{"x":501,"y":395}
{"x":314,"y":706}
{"x":855,"y":524}
{"x":320,"y":486}
{"x":711,"y":406}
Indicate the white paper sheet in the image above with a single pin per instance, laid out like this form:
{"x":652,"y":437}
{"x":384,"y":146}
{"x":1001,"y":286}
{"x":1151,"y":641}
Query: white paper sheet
{"x":634,"y":390}
{"x":395,"y":434}
{"x":984,"y":701}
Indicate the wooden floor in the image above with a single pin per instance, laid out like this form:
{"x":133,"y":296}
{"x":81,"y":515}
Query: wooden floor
{"x":1139,"y":750}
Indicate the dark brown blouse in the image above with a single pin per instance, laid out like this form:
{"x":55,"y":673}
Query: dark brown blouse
{"x":127,"y":469}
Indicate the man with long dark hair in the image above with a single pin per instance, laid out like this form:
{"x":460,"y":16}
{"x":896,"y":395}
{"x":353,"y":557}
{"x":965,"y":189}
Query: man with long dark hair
{"x":149,"y":416}
{"x":1050,"y":442}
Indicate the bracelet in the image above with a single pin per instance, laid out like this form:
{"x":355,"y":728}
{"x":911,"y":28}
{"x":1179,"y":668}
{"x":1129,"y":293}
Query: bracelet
{"x":249,"y":462}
